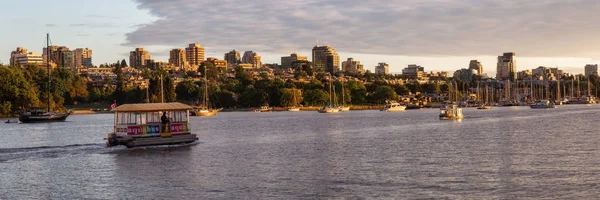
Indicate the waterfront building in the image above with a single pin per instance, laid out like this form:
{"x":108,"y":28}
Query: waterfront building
{"x":253,"y":58}
{"x":194,"y":54}
{"x":220,"y":64}
{"x":52,"y":51}
{"x":591,"y":70}
{"x":83,"y":57}
{"x":382,"y":68}
{"x":546,"y":73}
{"x":476,"y":65}
{"x":353,"y":66}
{"x":286,"y":61}
{"x":233,"y":58}
{"x":139,"y":58}
{"x":325,"y":58}
{"x":465,"y":74}
{"x":23,"y":57}
{"x":413,"y":72}
{"x":524,"y":75}
{"x":177,"y":58}
{"x":507,"y":67}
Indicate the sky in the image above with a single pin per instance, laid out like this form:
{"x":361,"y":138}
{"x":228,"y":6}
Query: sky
{"x":440,"y":35}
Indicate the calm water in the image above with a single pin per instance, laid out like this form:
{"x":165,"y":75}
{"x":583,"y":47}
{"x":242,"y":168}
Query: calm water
{"x":504,"y":153}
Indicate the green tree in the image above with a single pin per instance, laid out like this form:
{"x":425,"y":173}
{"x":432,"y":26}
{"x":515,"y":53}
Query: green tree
{"x":383,"y":93}
{"x":287,"y":97}
{"x":315,"y":97}
{"x":188,"y":91}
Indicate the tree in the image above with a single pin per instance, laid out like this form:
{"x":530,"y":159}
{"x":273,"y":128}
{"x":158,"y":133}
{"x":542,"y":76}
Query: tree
{"x":252,"y":97}
{"x":287,"y":97}
{"x":187,"y":91}
{"x":123,"y":63}
{"x":383,"y":93}
{"x":315,"y":97}
{"x":358,"y":92}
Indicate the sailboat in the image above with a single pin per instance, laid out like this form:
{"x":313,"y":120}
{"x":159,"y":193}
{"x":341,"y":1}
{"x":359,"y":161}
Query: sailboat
{"x":486,"y":105}
{"x":343,"y":108}
{"x":38,"y":114}
{"x":294,"y":108}
{"x":330,"y":108}
{"x":205,"y":110}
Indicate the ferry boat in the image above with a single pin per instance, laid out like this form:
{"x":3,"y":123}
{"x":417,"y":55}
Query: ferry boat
{"x":450,"y":112}
{"x":392,"y":106}
{"x":541,"y":104}
{"x":141,"y":125}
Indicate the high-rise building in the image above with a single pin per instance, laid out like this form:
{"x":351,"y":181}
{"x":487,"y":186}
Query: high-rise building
{"x":413,"y":71}
{"x":138,"y":58}
{"x":232,"y":58}
{"x":476,"y":65}
{"x":194,"y":54}
{"x":507,"y":67}
{"x":352,"y":66}
{"x":382,"y":68}
{"x":23,"y":57}
{"x":177,"y":58}
{"x":253,"y":58}
{"x":66,"y":58}
{"x":83,"y":57}
{"x":325,"y":58}
{"x":286,"y":62}
{"x":52,"y":51}
{"x":591,"y":70}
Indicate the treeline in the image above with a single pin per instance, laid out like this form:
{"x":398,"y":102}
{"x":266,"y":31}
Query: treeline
{"x":29,"y":86}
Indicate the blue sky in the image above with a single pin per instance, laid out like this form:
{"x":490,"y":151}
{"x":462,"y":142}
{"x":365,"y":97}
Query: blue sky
{"x":440,"y":35}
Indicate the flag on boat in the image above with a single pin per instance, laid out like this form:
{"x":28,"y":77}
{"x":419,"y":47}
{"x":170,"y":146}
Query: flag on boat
{"x":114,"y":105}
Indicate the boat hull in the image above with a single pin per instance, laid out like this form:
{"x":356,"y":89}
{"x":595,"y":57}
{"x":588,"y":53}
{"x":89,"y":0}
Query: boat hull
{"x":394,"y":109}
{"x":484,"y":107}
{"x":59,"y":117}
{"x":209,"y":113}
{"x":451,"y":117}
{"x":294,"y":109}
{"x":157,"y":140}
{"x":329,"y":110}
{"x":344,"y":108}
{"x":541,"y":106}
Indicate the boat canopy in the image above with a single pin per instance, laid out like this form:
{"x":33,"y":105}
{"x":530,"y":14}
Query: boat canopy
{"x":151,"y":107}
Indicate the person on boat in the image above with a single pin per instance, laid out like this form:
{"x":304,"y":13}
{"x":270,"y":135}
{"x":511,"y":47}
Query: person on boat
{"x":165,"y":122}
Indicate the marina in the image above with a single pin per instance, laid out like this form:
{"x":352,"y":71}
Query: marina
{"x":500,"y":154}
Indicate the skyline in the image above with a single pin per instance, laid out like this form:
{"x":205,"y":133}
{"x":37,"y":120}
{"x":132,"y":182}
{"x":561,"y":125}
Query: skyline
{"x":411,"y":34}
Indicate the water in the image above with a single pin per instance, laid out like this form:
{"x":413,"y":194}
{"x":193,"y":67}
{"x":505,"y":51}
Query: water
{"x":504,"y":153}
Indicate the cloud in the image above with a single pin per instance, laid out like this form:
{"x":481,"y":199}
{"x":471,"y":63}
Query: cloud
{"x":95,"y":25}
{"x":51,"y":25}
{"x":396,"y":27}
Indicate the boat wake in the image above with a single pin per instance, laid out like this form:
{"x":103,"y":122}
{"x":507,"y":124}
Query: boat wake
{"x":18,"y":154}
{"x":15,"y":154}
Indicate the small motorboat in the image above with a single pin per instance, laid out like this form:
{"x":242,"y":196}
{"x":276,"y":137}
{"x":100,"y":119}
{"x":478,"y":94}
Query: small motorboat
{"x":450,"y":112}
{"x":8,"y":121}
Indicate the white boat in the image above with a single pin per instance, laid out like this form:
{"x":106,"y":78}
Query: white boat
{"x":393,"y":106}
{"x":541,"y":104}
{"x":344,"y":108}
{"x":205,"y":110}
{"x":264,"y":109}
{"x":329,"y":109}
{"x":143,"y":125}
{"x":450,"y":112}
{"x":294,"y":108}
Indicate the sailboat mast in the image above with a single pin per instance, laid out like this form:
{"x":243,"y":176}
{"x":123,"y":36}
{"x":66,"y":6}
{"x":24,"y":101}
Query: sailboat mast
{"x":48,"y":67}
{"x":343,"y":97}
{"x":205,"y":91}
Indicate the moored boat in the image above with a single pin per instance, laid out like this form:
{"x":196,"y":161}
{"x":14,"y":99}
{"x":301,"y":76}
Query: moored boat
{"x":329,"y":109}
{"x":541,"y":104}
{"x":344,"y":108}
{"x":484,"y":107}
{"x":264,"y":109}
{"x":450,"y":112}
{"x":294,"y":109}
{"x":142,"y":125}
{"x":393,"y":106}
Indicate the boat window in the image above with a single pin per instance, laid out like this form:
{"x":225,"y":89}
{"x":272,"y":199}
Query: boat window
{"x":154,"y":117}
{"x":140,"y":118}
{"x":178,"y":116}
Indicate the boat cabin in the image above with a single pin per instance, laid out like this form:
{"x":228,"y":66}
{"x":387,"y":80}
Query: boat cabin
{"x":146,"y":121}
